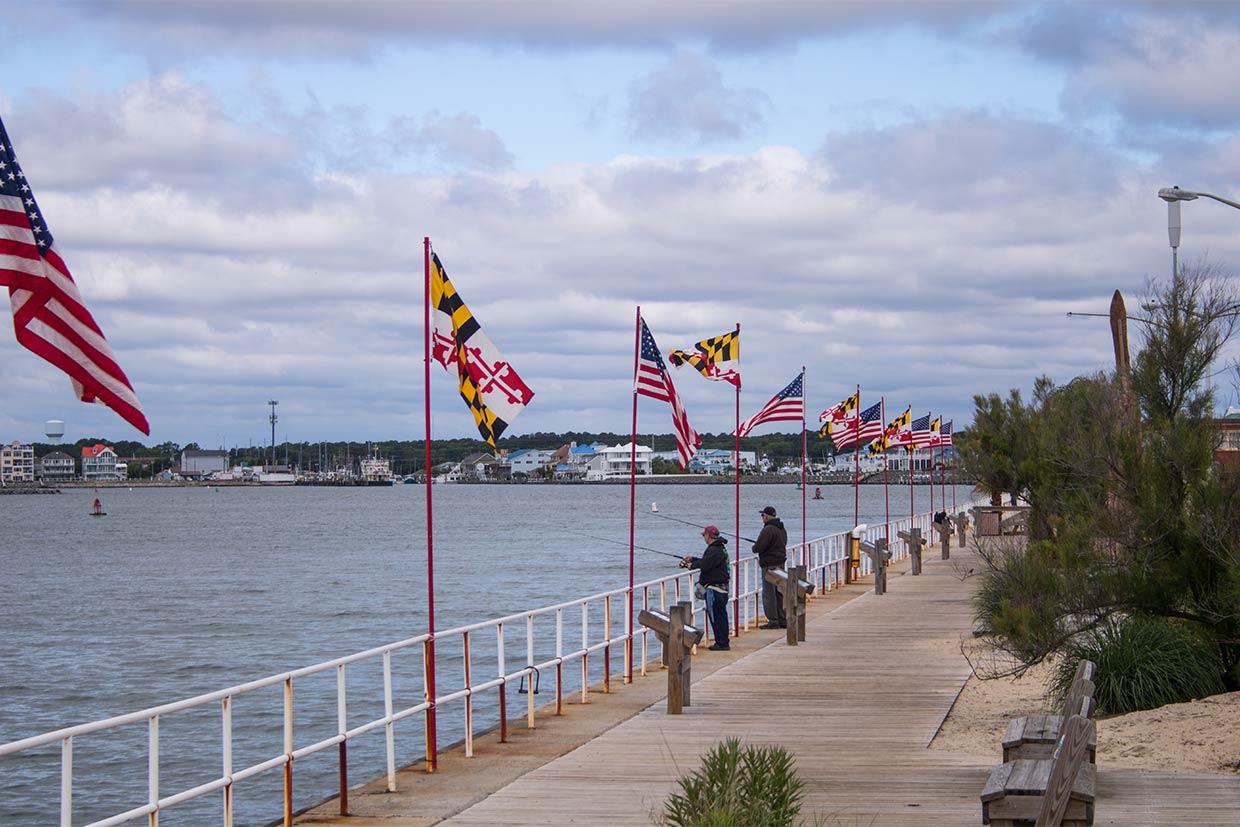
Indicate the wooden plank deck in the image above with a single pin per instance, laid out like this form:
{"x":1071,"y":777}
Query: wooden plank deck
{"x":857,"y":704}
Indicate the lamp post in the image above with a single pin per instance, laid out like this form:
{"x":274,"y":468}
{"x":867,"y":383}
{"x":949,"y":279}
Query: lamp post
{"x":1173,"y":196}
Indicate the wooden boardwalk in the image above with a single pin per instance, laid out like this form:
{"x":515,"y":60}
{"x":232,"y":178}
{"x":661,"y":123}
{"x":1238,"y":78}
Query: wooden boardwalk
{"x":858,"y":704}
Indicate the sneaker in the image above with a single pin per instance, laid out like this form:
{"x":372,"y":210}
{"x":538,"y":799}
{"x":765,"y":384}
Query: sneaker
{"x":715,"y":647}
{"x":769,"y":626}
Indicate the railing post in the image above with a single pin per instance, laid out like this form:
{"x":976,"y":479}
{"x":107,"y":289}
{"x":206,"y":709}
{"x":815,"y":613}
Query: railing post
{"x":585,"y":653}
{"x":288,"y":752}
{"x":66,"y":782}
{"x":390,"y":734}
{"x":342,"y":725}
{"x":152,"y":770}
{"x":607,"y":648}
{"x":469,"y":697}
{"x":529,"y":676}
{"x":503,"y":687}
{"x":226,"y":734}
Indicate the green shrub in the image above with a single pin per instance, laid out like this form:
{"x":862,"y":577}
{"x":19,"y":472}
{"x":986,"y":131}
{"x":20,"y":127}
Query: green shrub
{"x":1143,"y":663}
{"x":750,"y":787}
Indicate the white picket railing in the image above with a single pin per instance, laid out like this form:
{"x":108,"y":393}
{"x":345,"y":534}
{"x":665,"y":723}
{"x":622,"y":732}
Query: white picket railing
{"x":823,"y":557}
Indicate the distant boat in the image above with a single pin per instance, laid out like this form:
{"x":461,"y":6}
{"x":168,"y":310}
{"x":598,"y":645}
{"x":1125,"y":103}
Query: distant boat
{"x":376,"y":471}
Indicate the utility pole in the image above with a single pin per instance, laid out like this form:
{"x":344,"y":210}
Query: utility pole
{"x":274,"y":419}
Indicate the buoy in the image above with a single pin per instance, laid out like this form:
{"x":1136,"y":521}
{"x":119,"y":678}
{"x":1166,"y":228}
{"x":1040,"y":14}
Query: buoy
{"x":654,"y":508}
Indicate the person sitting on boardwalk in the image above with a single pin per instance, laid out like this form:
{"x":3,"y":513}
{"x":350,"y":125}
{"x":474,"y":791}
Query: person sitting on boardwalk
{"x":772,"y":551}
{"x":715,"y":578}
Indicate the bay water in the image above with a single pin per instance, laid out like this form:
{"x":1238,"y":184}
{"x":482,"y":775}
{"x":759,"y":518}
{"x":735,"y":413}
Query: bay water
{"x":185,"y":590}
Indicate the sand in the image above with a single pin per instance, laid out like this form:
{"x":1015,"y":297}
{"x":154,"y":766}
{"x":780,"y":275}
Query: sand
{"x":1198,"y":737}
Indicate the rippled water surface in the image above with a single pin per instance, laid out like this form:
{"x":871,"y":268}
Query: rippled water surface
{"x":181,"y":591}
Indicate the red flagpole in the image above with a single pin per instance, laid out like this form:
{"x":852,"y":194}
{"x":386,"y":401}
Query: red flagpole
{"x":857,"y":465}
{"x":736,"y":461}
{"x":931,"y":447}
{"x":628,"y":657}
{"x":882,"y":401}
{"x":432,"y":748}
{"x":803,"y":481}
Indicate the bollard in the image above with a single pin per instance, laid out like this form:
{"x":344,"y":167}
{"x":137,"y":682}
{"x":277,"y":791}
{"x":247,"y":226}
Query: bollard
{"x":962,"y":527}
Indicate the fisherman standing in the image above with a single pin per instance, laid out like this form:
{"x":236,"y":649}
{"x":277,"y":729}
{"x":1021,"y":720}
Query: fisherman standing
{"x":715,"y":579}
{"x":772,"y":550}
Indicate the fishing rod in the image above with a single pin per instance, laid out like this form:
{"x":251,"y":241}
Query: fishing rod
{"x":654,"y":509}
{"x":619,"y":543}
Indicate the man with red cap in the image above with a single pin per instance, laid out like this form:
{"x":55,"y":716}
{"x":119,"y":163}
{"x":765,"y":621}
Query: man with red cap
{"x":715,"y":578}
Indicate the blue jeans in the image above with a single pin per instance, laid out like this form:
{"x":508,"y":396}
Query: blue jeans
{"x":717,"y":612}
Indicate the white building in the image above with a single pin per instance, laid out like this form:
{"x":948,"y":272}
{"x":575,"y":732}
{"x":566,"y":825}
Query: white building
{"x":617,"y":461}
{"x":199,"y":464}
{"x":99,"y":464}
{"x":57,"y":467}
{"x":16,"y":463}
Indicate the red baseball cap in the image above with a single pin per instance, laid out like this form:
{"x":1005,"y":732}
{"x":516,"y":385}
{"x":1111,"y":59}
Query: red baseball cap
{"x":710,"y":530}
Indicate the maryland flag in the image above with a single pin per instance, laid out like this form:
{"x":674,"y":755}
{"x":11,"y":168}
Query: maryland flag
{"x":898,"y":432}
{"x":840,"y":422}
{"x":712,"y":357}
{"x":490,"y":387}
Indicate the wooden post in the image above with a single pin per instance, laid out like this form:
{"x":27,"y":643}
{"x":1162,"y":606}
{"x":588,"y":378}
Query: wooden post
{"x":797,"y":583}
{"x":676,"y":684}
{"x":913,"y":539}
{"x":790,"y":608}
{"x":945,"y":538}
{"x":962,"y":527}
{"x":879,"y":557}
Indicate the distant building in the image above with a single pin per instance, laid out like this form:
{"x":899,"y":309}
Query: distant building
{"x":1227,"y":452}
{"x":617,"y":461}
{"x":16,"y":463}
{"x":473,"y":467}
{"x":99,"y":464}
{"x":528,"y":461}
{"x":719,"y":461}
{"x":196,"y":465}
{"x":57,"y":467}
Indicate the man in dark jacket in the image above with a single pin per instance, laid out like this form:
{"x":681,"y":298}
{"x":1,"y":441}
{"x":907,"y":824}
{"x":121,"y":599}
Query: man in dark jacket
{"x":772,"y":551}
{"x":716,"y":578}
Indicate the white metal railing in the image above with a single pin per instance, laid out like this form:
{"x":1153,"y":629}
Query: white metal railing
{"x":823,"y":557}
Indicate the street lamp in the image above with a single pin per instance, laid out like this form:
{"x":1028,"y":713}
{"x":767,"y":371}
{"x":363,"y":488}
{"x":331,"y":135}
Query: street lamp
{"x":1173,"y":196}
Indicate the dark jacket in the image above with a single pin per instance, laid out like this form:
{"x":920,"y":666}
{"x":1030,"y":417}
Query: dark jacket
{"x":772,"y":545}
{"x":713,"y":564}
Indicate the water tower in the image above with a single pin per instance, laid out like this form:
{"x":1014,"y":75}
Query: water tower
{"x":55,"y":429}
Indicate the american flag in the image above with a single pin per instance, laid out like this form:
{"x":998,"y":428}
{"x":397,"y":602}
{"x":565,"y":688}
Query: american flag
{"x":786,"y":406}
{"x":945,"y":433}
{"x":920,"y":432}
{"x":49,"y":317}
{"x":653,"y":380}
{"x":867,"y":426}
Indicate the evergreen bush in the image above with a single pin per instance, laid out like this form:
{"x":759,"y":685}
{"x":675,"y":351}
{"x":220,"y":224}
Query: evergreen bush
{"x":738,"y":787}
{"x":1143,"y":663}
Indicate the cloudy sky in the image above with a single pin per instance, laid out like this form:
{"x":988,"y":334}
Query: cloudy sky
{"x":905,"y":195}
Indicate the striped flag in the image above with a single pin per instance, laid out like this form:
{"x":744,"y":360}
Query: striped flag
{"x":713,"y":358}
{"x":840,"y":421}
{"x":867,"y":425}
{"x":49,"y":317}
{"x":492,"y":390}
{"x":945,"y":434}
{"x":786,"y":406}
{"x":896,"y":433}
{"x":920,"y":432}
{"x":653,"y":380}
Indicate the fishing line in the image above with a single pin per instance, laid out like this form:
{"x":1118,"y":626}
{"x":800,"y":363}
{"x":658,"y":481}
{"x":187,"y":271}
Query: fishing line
{"x":658,"y":513}
{"x":619,"y":543}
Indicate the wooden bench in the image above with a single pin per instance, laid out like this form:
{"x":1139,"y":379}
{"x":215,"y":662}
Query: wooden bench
{"x":678,"y":638}
{"x":794,"y":598}
{"x":1048,"y":792}
{"x":1035,"y":736}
